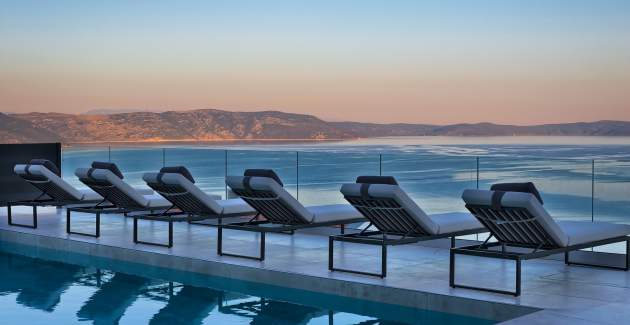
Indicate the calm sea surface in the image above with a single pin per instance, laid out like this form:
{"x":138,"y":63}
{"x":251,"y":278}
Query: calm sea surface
{"x":581,"y":178}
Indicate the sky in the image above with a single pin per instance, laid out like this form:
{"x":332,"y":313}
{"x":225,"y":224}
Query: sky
{"x":439,"y":62}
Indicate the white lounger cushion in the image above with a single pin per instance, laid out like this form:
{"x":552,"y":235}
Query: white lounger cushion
{"x":268,"y":184}
{"x":455,"y":221}
{"x":147,"y":201}
{"x":39,"y":170}
{"x":212,"y":202}
{"x":235,"y":206}
{"x":580,"y":232}
{"x":333,"y":212}
{"x":564,"y":233}
{"x":156,"y":201}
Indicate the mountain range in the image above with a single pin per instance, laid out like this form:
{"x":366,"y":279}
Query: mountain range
{"x":214,"y":125}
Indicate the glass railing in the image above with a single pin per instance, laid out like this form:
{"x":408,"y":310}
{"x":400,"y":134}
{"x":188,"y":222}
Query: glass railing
{"x":572,"y":189}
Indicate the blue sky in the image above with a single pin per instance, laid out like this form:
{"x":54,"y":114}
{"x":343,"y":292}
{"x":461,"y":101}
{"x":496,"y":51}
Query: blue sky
{"x":423,"y":61}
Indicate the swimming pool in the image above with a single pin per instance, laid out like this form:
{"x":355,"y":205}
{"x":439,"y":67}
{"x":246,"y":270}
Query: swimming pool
{"x":39,"y":291}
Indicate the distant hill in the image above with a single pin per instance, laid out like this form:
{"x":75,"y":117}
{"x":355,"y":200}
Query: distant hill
{"x":108,"y":111}
{"x":210,"y":124}
{"x":16,"y":130}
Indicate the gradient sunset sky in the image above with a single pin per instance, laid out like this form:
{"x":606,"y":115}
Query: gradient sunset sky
{"x":518,"y":62}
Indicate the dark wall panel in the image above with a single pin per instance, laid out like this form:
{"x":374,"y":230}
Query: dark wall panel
{"x":12,"y":187}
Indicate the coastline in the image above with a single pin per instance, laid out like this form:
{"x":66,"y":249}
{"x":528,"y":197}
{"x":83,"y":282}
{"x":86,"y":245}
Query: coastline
{"x":391,"y":140}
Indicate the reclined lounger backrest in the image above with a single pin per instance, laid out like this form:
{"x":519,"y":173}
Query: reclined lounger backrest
{"x":388,"y":207}
{"x":176,"y":184}
{"x":43,"y":174}
{"x":516,"y":218}
{"x":106,"y":180}
{"x":269,"y":198}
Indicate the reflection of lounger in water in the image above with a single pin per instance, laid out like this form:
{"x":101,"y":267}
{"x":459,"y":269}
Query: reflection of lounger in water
{"x":39,"y":283}
{"x":110,"y":302}
{"x":274,"y":312}
{"x":191,"y":305}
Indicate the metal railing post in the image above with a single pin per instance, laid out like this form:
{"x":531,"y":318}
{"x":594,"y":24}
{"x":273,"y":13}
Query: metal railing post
{"x":225,"y":173}
{"x":380,"y":164}
{"x":593,"y":190}
{"x":109,"y":153}
{"x":477,"y":172}
{"x":297,"y":175}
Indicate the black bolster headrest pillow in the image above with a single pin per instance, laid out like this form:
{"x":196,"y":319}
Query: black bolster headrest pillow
{"x":388,"y":180}
{"x":178,"y":170}
{"x":263,"y":173}
{"x":528,"y":187}
{"x":109,"y":166}
{"x":46,"y":163}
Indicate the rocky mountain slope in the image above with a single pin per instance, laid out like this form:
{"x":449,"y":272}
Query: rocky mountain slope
{"x":210,"y":125}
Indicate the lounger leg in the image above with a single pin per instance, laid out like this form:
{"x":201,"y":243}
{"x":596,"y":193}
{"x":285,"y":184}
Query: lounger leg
{"x":9,"y":213}
{"x":331,"y":267}
{"x":69,"y":230}
{"x":137,"y":241}
{"x":343,"y":229}
{"x":220,"y":252}
{"x":331,"y":251}
{"x":383,"y":260}
{"x":518,"y":277}
{"x":10,"y":218}
{"x":262,"y":246}
{"x":219,"y":239}
{"x":516,"y":292}
{"x":34,"y":216}
{"x":451,"y":270}
{"x":452,"y":242}
{"x":625,"y":266}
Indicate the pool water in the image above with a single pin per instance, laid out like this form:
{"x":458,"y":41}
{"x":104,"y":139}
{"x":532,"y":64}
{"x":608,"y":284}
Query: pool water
{"x":38,"y":291}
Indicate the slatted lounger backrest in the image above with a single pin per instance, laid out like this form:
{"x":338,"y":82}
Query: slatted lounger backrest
{"x":111,"y":188}
{"x":389,"y":209}
{"x":48,"y":182}
{"x":270,"y":199}
{"x":515,"y":218}
{"x":182,"y":193}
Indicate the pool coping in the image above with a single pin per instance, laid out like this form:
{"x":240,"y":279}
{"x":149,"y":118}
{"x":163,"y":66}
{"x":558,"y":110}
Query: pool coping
{"x":471,"y":307}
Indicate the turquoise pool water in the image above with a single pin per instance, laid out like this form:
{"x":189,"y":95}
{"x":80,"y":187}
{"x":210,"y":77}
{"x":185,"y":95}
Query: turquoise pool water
{"x":39,"y":291}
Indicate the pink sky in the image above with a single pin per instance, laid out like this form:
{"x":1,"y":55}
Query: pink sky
{"x":419,"y":63}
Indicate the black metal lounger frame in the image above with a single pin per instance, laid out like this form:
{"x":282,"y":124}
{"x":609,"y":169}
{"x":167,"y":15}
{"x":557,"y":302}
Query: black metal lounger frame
{"x":190,"y":210}
{"x":279,"y":219}
{"x":395,"y":227}
{"x":48,"y":189}
{"x":125,"y":205}
{"x":517,"y":227}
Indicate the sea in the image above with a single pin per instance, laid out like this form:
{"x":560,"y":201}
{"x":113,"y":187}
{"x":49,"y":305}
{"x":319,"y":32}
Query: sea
{"x":580,"y":178}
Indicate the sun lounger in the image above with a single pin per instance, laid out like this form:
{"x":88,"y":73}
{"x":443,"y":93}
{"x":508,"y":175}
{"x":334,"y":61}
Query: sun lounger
{"x":281,"y":212}
{"x":107,"y":180}
{"x":177,"y":185}
{"x":397,"y":218}
{"x":524,"y":230}
{"x":44,"y":175}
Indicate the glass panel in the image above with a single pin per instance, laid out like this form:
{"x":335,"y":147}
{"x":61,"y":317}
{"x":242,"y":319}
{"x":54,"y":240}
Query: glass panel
{"x":134,"y":162}
{"x":80,"y":157}
{"x":436,"y":183}
{"x":322,"y":174}
{"x":612,"y":196}
{"x":206,"y":165}
{"x":564,"y":184}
